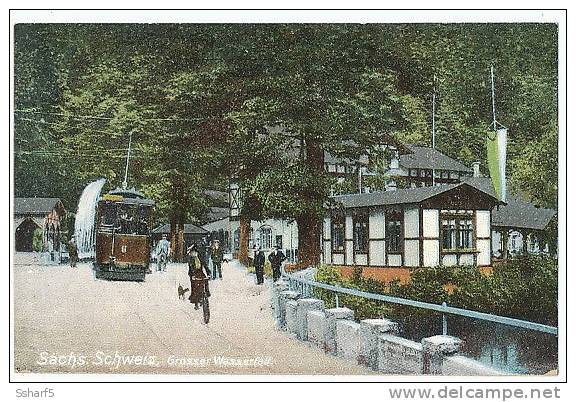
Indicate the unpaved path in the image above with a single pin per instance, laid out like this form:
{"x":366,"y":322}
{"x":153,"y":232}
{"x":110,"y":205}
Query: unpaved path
{"x":63,"y":317}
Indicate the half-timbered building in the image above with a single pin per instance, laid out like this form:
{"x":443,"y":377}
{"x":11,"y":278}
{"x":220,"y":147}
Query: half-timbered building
{"x":418,"y":227}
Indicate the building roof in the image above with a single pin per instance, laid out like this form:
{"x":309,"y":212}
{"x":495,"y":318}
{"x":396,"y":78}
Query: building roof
{"x":401,"y":196}
{"x":517,"y":213}
{"x":217,"y":213}
{"x":189,"y":228}
{"x":429,"y":158}
{"x":220,"y":224}
{"x":219,"y":198}
{"x":35,"y":206}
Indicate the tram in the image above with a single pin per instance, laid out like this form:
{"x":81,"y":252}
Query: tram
{"x":123,"y":241}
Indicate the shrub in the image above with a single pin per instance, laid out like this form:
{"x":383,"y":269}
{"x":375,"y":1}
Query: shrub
{"x":363,"y":308}
{"x":267,"y":269}
{"x":524,"y":287}
{"x":37,"y":240}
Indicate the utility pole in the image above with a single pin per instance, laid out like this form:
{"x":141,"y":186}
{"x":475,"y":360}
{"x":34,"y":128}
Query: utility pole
{"x":125,"y":182}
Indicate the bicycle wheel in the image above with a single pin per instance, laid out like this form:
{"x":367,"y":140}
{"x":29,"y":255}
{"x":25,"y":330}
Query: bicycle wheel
{"x":206,"y":309}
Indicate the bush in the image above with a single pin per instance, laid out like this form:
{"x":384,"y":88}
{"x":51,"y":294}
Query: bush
{"x":267,"y":269}
{"x":524,"y":287}
{"x":37,"y":240}
{"x":363,"y":308}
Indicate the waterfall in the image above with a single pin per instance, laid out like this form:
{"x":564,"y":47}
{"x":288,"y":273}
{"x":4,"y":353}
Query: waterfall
{"x":85,"y":219}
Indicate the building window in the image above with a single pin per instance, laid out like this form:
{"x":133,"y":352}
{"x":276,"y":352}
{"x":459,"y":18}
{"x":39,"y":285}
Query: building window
{"x":413,"y":172}
{"x":251,"y":239}
{"x":337,"y":234}
{"x":279,"y":241}
{"x":266,"y":238}
{"x":457,"y":232}
{"x":360,"y":223}
{"x":394,"y":232}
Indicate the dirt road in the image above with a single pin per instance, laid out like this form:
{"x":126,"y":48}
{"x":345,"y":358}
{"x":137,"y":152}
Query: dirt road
{"x":66,"y":321}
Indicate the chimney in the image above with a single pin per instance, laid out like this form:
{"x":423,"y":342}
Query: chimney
{"x":476,"y":169}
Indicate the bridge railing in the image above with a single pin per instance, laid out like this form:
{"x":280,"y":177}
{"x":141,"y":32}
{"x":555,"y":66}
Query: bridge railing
{"x":306,"y":288}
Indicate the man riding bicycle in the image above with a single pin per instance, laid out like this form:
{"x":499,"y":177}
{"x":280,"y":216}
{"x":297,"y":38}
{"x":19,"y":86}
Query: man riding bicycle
{"x":163,"y":248}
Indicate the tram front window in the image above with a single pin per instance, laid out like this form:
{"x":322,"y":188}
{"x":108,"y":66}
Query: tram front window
{"x":108,"y":214}
{"x":127,"y":219}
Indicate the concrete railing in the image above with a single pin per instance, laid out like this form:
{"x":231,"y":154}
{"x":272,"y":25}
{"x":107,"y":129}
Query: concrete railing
{"x":372,"y":342}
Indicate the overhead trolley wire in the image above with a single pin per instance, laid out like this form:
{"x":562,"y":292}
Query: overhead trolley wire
{"x":88,"y":117}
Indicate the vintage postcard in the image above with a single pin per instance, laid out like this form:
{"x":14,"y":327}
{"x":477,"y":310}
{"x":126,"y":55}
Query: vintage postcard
{"x":368,"y":194}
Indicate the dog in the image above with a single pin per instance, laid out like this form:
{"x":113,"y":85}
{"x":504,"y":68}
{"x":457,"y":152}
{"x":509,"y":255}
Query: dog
{"x":182,"y":292}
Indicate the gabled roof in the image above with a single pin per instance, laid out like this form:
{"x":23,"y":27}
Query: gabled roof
{"x":219,"y":198}
{"x":217,"y":213}
{"x":429,"y":158}
{"x":32,"y":206}
{"x":189,"y":228}
{"x":517,"y":213}
{"x":402,"y":196}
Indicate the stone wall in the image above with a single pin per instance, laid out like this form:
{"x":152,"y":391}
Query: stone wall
{"x":374,"y":342}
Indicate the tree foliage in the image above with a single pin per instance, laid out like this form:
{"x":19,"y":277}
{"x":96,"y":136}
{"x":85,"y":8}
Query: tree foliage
{"x":262,"y":103}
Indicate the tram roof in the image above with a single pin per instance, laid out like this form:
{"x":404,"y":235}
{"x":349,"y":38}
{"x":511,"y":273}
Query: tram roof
{"x":128,"y":196}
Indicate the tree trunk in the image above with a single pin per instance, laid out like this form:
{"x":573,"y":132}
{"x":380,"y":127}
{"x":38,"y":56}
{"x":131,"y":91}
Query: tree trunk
{"x":173,"y":237}
{"x":180,"y":251}
{"x":180,"y":236}
{"x":309,"y":231}
{"x":244,"y":240}
{"x":310,"y":223}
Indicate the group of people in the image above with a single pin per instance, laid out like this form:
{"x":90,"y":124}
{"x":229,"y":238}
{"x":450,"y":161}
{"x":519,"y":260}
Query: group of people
{"x":204,"y":252}
{"x":276,"y":258}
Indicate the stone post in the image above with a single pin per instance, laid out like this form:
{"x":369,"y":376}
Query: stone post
{"x":333,"y":314}
{"x":347,"y":339}
{"x":304,"y":306}
{"x":435,"y":348}
{"x":370,"y":330}
{"x":317,"y":328}
{"x":278,"y":287}
{"x":291,"y":323}
{"x":284,"y":297}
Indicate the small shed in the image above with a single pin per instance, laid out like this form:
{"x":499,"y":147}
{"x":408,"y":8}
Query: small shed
{"x":35,"y":213}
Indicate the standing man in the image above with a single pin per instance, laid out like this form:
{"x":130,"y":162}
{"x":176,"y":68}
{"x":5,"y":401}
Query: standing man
{"x":163,"y":249}
{"x":259,"y":260}
{"x":276,"y":259}
{"x":72,"y":252}
{"x":217,"y":257}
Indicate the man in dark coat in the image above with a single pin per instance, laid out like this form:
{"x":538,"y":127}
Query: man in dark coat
{"x":259,"y":260}
{"x":217,"y":257}
{"x":204,"y":255}
{"x":276,"y":259}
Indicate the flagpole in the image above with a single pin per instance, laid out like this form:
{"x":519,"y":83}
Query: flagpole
{"x":434,"y":125}
{"x":493,"y":98}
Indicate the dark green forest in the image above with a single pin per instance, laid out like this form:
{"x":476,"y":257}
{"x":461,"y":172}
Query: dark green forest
{"x":197,"y":99}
